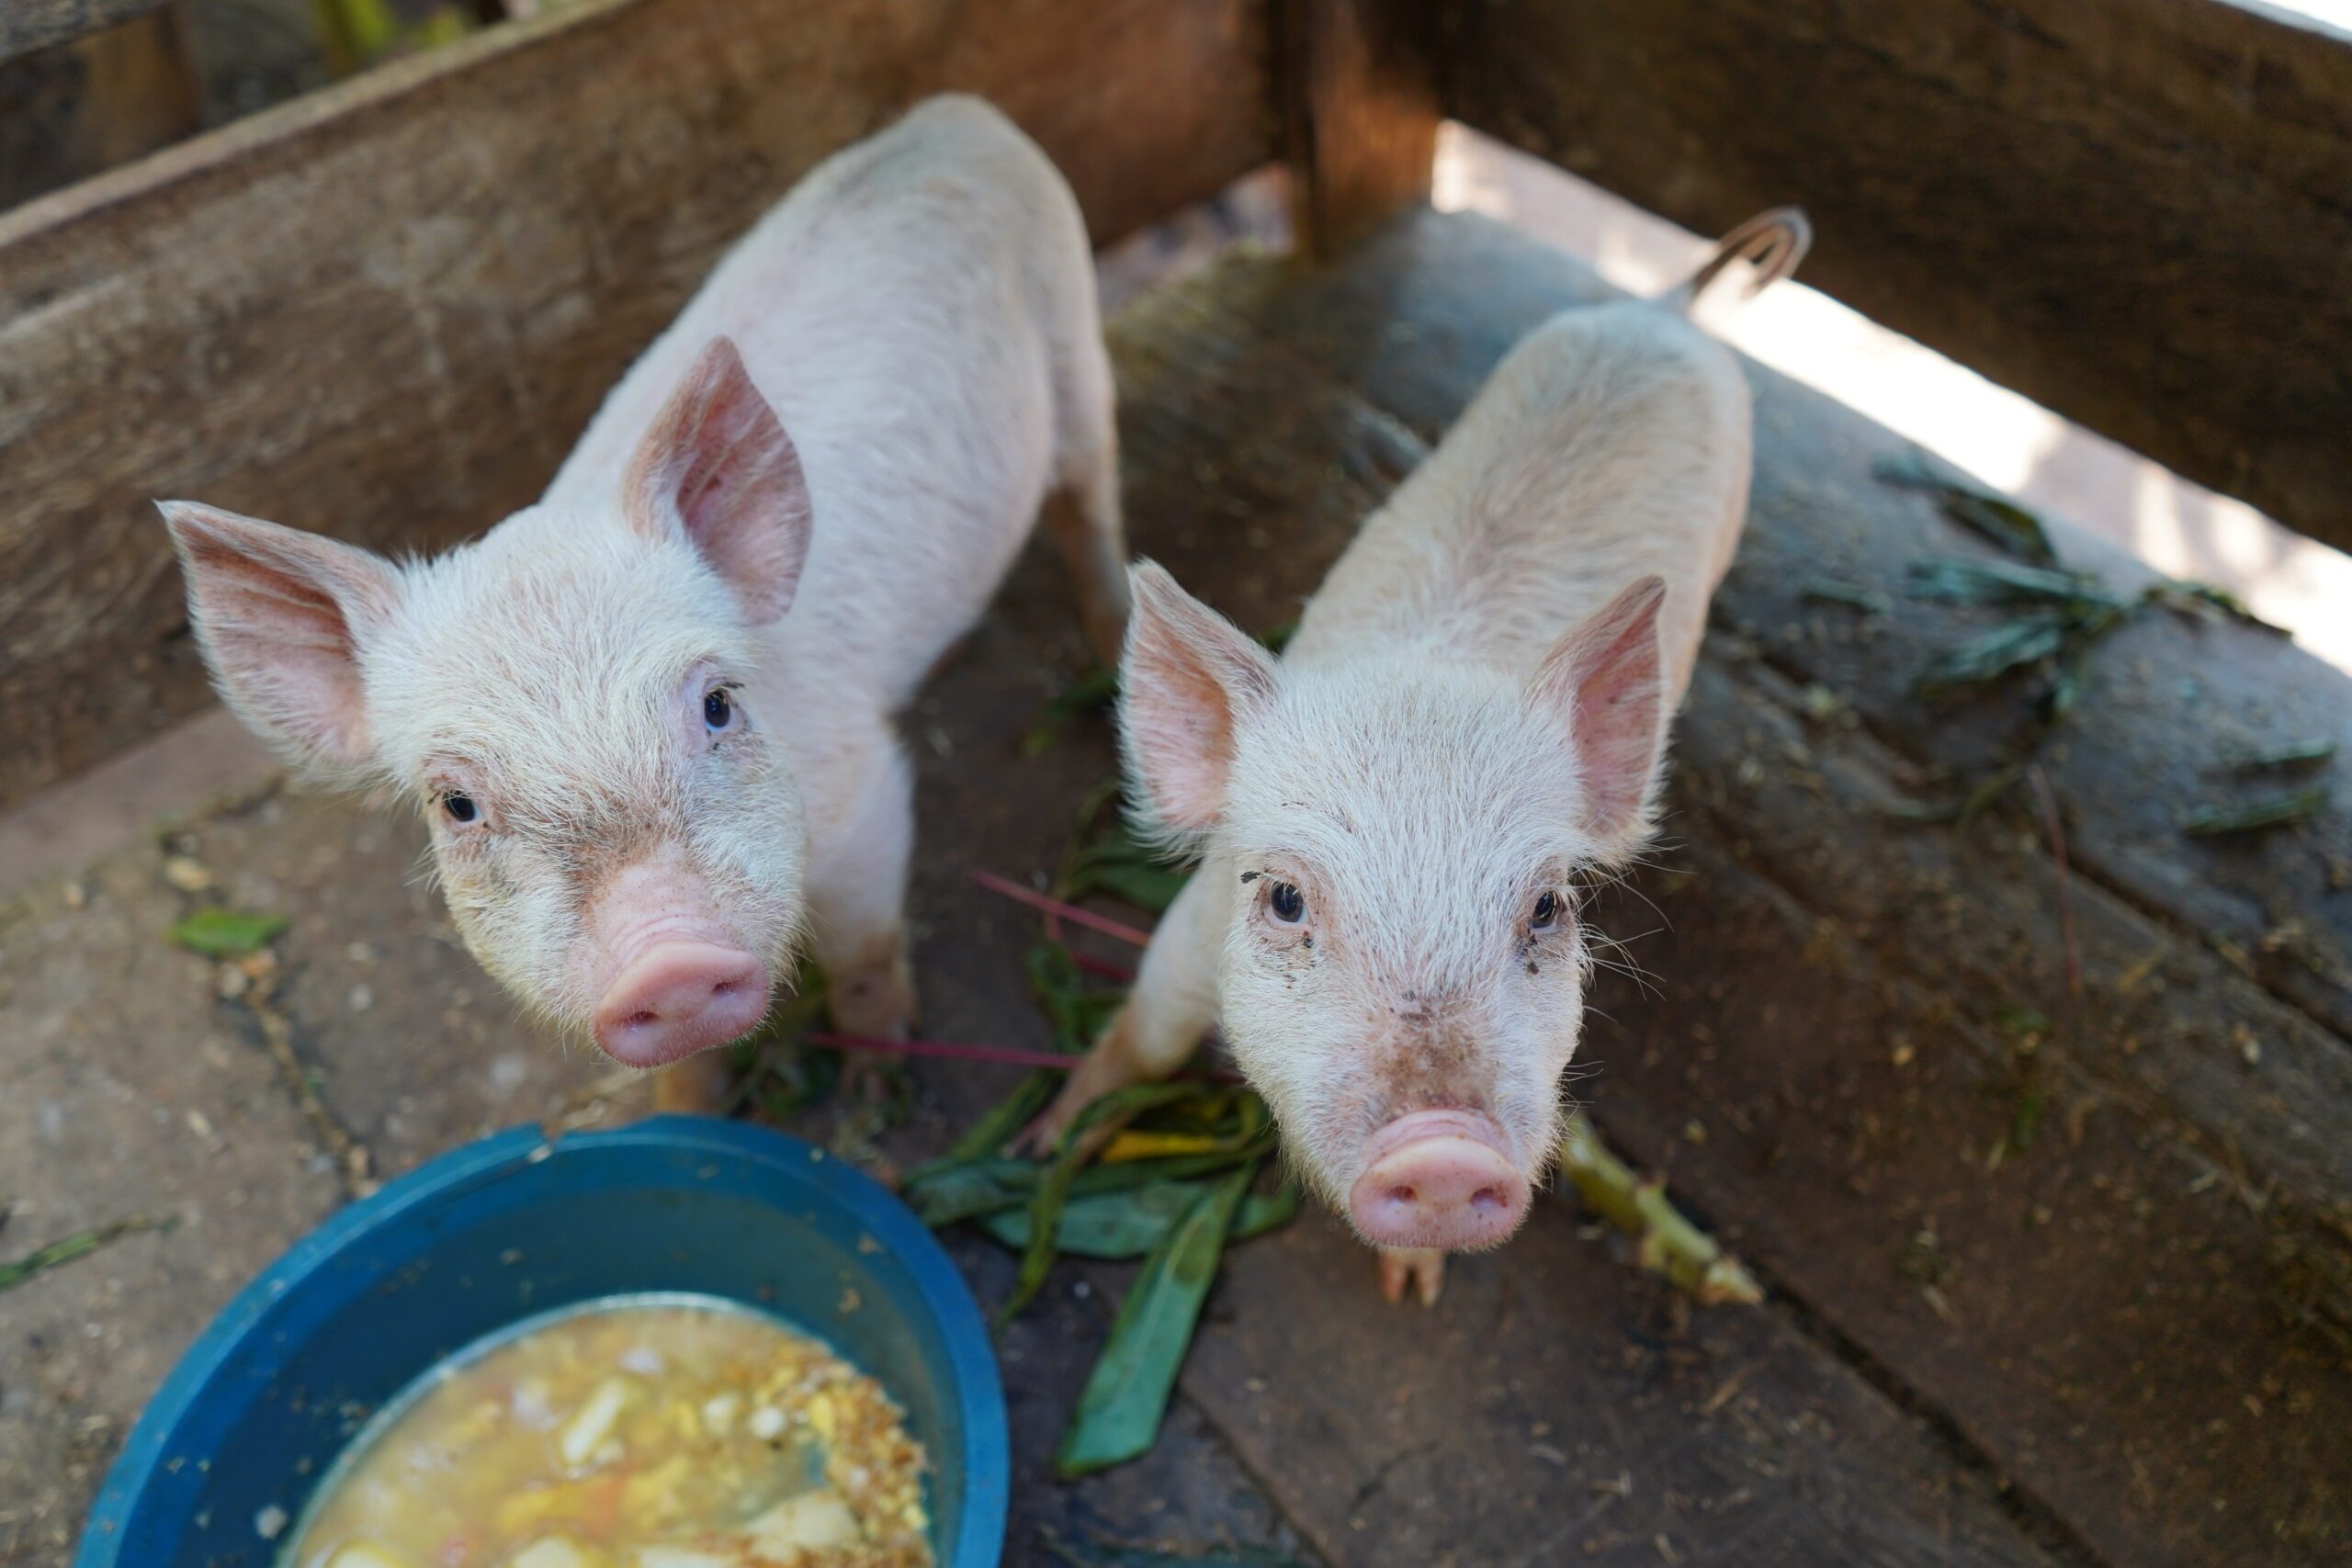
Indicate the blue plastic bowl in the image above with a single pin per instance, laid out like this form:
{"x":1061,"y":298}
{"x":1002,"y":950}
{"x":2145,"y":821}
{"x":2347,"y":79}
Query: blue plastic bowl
{"x":518,"y":1225}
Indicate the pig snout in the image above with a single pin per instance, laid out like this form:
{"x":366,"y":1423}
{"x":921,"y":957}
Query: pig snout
{"x":680,"y":982}
{"x":678,"y":997}
{"x":1438,"y":1179}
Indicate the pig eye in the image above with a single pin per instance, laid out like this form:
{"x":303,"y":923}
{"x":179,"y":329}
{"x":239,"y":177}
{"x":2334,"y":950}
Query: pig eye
{"x":460,"y":807}
{"x":1287,"y":903}
{"x":1547,"y":914}
{"x":717,"y":709}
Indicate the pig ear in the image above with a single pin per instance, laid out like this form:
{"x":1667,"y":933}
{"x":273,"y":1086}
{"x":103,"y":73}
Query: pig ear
{"x":281,"y":615}
{"x":1602,"y":681}
{"x":1190,"y":677}
{"x":717,"y":463}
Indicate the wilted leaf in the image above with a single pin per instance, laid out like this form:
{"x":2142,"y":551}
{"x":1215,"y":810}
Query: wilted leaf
{"x":2265,"y":813}
{"x":1987,"y":657}
{"x":2014,"y":528}
{"x":1837,"y":591}
{"x":79,"y":1245}
{"x":2289,"y":754}
{"x":1963,"y":580}
{"x":1119,"y":1413}
{"x":2185,"y":594}
{"x":226,"y":933}
{"x":1135,"y":1143}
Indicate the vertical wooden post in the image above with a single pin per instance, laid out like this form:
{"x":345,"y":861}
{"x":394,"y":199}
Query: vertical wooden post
{"x":1357,"y":80}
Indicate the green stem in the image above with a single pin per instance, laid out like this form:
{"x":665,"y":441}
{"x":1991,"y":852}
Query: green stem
{"x":1671,"y":1244}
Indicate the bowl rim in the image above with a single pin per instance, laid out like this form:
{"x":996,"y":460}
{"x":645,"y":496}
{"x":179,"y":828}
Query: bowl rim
{"x":973,"y":1377}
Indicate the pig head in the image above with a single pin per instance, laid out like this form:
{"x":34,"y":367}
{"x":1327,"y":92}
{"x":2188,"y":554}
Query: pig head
{"x":574,"y":702}
{"x":1397,"y":837}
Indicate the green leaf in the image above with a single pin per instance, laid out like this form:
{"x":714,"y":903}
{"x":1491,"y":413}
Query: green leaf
{"x":944,"y":1193}
{"x":1003,"y":1123}
{"x":1054,"y":1186}
{"x":1145,"y":884}
{"x":226,"y":933}
{"x":1118,"y":1415}
{"x":2014,"y":528}
{"x":2265,"y":813}
{"x":1079,"y":1014}
{"x":1115,"y":863}
{"x":1118,"y":1224}
{"x":1263,"y":1212}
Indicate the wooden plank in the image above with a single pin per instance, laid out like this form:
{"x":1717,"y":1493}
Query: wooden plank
{"x":29,"y":25}
{"x":2135,"y":214}
{"x":2144,"y":1305}
{"x":386,"y":310}
{"x":100,"y":101}
{"x":1360,"y":114}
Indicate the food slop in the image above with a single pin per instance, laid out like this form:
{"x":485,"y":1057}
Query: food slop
{"x":665,"y":1434}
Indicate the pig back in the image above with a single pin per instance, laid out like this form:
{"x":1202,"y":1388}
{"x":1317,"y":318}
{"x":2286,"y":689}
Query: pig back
{"x":1612,"y":442}
{"x":905,"y":310}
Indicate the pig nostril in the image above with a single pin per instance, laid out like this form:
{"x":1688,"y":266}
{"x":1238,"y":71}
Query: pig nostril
{"x":645,"y":1019}
{"x":1487,"y":1198}
{"x":724,"y":989}
{"x":1402,"y":1195}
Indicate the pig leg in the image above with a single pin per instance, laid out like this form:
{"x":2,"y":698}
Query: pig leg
{"x":1422,"y":1268}
{"x":1173,"y":1005}
{"x":1082,"y":511}
{"x":857,"y":892}
{"x":699,"y":1085}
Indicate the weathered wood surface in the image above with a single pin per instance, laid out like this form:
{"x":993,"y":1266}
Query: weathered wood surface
{"x":100,"y":101}
{"x":1358,"y":83}
{"x":29,"y":25}
{"x":2138,"y":1313}
{"x":2134,"y":213}
{"x":386,"y":310}
{"x":1823,"y":1015}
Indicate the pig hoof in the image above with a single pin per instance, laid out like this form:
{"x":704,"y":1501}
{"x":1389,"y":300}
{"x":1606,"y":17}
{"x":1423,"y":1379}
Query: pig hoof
{"x":1422,"y":1268}
{"x":871,"y":1077}
{"x":701,"y":1085}
{"x":1042,"y":1137}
